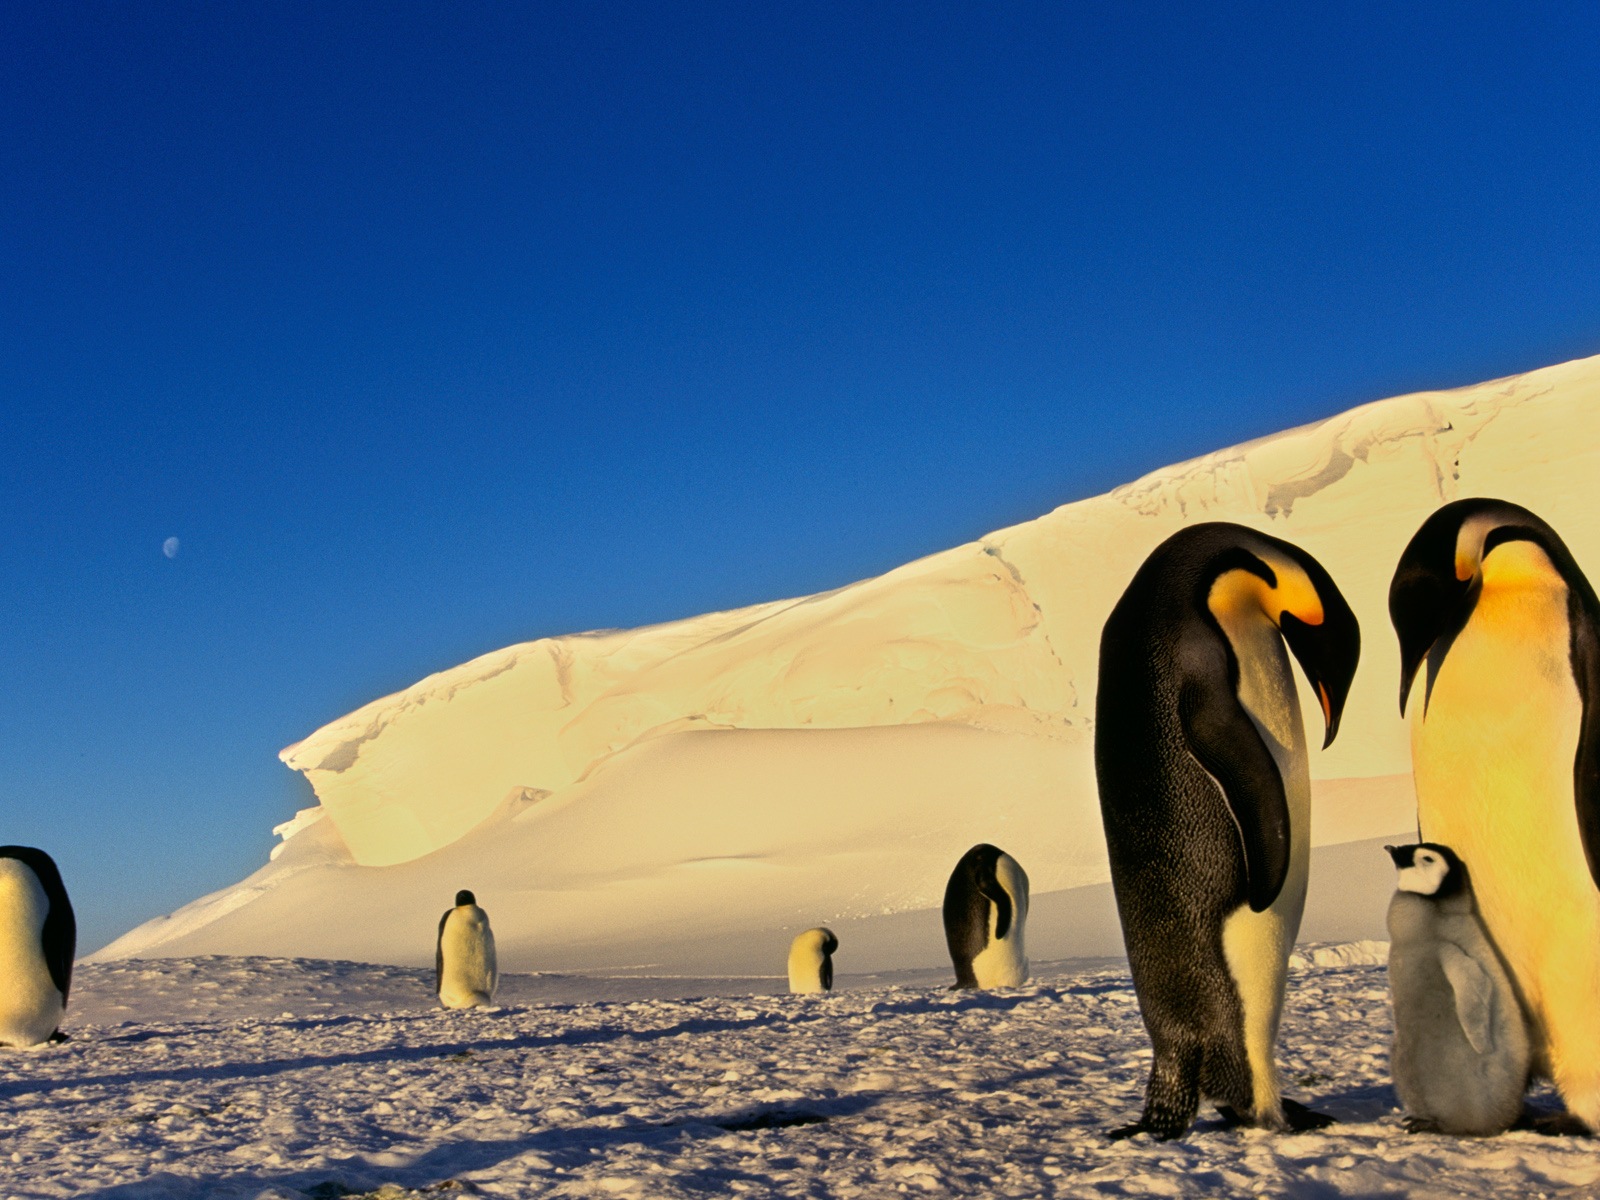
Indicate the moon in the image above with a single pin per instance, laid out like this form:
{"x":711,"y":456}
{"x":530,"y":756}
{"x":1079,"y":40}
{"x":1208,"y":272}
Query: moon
{"x":170,"y":547}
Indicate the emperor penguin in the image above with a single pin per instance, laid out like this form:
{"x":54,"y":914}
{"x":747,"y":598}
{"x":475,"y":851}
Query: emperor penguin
{"x":811,"y":961}
{"x":464,"y":969}
{"x":1205,"y":794}
{"x":38,"y":936}
{"x":1500,"y":663}
{"x":985,"y":911}
{"x":1461,"y":1054}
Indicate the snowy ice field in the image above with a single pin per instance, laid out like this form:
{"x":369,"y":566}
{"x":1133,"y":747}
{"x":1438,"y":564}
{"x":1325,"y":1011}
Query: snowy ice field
{"x":293,"y":1078}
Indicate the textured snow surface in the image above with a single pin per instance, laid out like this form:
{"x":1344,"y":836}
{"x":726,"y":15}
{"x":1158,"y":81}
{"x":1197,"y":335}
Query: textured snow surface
{"x":237,"y":1077}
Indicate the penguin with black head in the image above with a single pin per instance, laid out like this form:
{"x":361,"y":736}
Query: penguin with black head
{"x":464,"y":970}
{"x":811,"y":961}
{"x":1205,"y":793}
{"x":985,"y":914}
{"x":1499,"y":634}
{"x":38,"y":937}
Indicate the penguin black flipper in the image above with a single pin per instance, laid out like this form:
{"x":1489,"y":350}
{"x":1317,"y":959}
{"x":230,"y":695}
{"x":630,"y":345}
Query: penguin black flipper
{"x":438,"y":954}
{"x":60,"y":937}
{"x":989,"y":887}
{"x":1225,"y":741}
{"x":1585,"y":624}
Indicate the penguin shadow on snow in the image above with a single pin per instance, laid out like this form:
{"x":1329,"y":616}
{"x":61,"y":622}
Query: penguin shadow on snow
{"x":569,"y":1148}
{"x":564,"y":1148}
{"x":248,"y":1068}
{"x":950,"y":1001}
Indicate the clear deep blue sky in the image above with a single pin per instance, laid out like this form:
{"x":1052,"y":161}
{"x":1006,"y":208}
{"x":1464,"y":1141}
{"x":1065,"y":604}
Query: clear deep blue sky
{"x":432,"y":328}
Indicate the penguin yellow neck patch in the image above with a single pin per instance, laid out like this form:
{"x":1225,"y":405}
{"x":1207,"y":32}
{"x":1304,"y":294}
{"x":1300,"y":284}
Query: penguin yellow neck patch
{"x":1235,"y":593}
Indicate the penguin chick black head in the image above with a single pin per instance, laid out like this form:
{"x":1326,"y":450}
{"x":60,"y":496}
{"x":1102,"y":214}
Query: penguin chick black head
{"x":1429,"y":869}
{"x":465,"y":897}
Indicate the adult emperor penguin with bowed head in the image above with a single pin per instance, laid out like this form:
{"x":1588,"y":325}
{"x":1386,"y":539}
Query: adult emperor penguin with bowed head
{"x":1500,"y":676}
{"x":985,"y":917}
{"x":38,"y":935}
{"x":1205,"y":792}
{"x":811,"y":961}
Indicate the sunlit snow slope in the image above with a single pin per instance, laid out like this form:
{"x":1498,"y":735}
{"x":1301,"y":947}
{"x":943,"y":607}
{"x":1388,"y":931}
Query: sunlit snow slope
{"x":696,"y":790}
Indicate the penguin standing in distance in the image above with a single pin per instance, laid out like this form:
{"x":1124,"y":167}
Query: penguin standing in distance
{"x":811,"y":961}
{"x":464,"y":971}
{"x":1205,"y":793}
{"x":1460,"y":1055}
{"x":1500,"y":676}
{"x":38,"y":937}
{"x":985,"y":911}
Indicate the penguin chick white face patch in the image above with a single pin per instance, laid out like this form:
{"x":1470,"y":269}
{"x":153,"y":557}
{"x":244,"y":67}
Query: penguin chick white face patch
{"x":1426,"y":874}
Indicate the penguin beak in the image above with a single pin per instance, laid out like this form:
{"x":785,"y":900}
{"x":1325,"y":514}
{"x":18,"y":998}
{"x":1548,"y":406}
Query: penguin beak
{"x":1402,"y":855}
{"x":1328,"y":653}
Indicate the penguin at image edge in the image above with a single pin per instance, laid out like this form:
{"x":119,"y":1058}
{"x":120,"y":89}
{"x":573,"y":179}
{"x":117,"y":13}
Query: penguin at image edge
{"x":985,"y":913}
{"x":38,"y":939}
{"x":811,"y":961}
{"x":464,"y":968}
{"x":1499,"y":633}
{"x":1205,"y":795}
{"x":1460,"y":1055}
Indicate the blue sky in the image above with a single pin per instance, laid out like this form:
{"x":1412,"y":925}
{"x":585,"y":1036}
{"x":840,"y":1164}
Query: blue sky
{"x":432,"y":328}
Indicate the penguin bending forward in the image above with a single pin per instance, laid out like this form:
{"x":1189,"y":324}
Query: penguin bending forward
{"x":811,"y":961}
{"x":1205,"y":794}
{"x":985,"y":911}
{"x":1460,"y":1054}
{"x":1500,"y":663}
{"x":38,"y":937}
{"x":464,"y":972}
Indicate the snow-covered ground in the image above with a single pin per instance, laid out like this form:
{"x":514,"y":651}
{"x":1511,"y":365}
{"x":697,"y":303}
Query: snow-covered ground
{"x":240,"y":1077}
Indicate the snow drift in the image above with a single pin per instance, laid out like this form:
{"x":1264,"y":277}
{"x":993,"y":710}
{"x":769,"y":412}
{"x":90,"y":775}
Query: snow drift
{"x":686,"y":796}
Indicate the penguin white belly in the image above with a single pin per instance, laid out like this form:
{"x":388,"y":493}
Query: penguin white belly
{"x":1257,"y":944}
{"x":469,"y":974}
{"x":1493,"y":748}
{"x":30,"y":1005}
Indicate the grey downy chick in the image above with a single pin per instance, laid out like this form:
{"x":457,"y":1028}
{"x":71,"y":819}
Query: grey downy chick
{"x":1461,"y":1051}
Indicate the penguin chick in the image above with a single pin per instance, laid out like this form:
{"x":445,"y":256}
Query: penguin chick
{"x":811,"y":961}
{"x":464,"y":970}
{"x":1461,"y":1050}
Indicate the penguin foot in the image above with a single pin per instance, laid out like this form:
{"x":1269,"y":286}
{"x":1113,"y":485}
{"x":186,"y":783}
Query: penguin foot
{"x":1303,"y":1120}
{"x":1159,"y":1130}
{"x":57,"y":1036}
{"x":1419,"y":1125}
{"x":1561,"y":1124}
